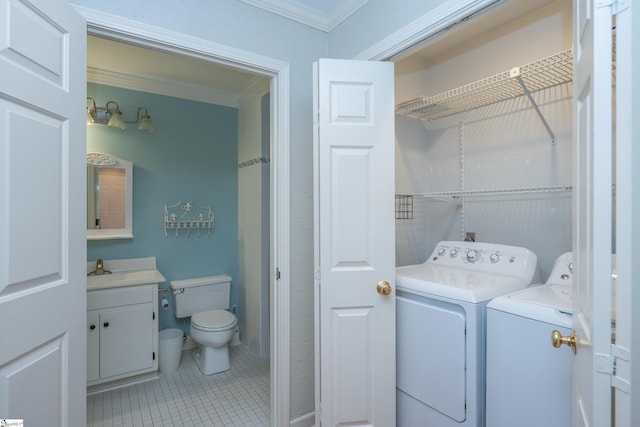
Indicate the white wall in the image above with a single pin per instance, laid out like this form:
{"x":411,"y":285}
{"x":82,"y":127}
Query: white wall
{"x":253,"y":301}
{"x":375,"y":21}
{"x":505,"y":146}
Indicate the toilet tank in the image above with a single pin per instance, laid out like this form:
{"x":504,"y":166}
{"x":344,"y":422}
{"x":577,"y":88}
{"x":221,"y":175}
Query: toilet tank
{"x":201,"y":294}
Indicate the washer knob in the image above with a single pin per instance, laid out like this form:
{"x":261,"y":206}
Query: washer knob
{"x":441,"y":251}
{"x":494,"y":257}
{"x":453,"y":253}
{"x":473,"y":255}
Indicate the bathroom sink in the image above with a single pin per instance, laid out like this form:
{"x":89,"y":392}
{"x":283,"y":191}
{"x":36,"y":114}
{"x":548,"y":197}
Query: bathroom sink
{"x":124,"y":278}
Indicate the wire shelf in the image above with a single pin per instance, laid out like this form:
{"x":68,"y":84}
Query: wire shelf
{"x":541,"y":74}
{"x":454,"y":196}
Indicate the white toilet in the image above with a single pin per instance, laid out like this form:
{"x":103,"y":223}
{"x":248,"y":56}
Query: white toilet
{"x":206,"y":300}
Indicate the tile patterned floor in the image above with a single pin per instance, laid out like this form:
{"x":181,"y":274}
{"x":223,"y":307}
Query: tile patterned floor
{"x":238,"y":397}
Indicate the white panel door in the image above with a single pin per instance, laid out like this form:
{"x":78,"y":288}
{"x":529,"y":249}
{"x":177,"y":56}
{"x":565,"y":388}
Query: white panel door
{"x":42,"y":213}
{"x":592,"y":233}
{"x":355,"y":242}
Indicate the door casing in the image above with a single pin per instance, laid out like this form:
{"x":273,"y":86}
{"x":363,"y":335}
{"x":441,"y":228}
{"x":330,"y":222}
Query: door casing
{"x":115,"y":28}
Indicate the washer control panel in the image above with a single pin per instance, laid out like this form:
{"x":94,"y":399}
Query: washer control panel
{"x":562,"y":272}
{"x":486,"y":257}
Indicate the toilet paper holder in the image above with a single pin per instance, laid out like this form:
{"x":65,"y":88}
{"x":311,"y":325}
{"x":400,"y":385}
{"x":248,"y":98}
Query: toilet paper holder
{"x":164,"y":303}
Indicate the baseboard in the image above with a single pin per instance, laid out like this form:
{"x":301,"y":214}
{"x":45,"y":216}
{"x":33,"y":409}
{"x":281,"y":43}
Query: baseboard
{"x":304,"y":421}
{"x":124,"y":382}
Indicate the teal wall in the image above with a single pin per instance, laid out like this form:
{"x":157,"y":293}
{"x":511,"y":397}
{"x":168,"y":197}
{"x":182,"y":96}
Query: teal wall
{"x":191,"y":156}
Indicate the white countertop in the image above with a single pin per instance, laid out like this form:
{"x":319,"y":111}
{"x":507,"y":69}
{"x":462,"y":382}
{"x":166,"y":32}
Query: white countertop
{"x":128,"y":272}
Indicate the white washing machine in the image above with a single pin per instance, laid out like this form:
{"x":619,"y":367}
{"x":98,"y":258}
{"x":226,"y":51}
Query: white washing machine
{"x":440,"y":329}
{"x":529,"y":381}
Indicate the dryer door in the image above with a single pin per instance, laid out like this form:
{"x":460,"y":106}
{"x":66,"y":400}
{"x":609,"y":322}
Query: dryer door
{"x":431,"y":353}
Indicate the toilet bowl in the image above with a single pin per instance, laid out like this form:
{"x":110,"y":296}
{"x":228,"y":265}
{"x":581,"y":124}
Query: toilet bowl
{"x":206,"y":300}
{"x":213,"y":331}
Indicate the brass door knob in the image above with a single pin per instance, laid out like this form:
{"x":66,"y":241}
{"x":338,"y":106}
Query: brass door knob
{"x":384,"y":288}
{"x":557,"y":339}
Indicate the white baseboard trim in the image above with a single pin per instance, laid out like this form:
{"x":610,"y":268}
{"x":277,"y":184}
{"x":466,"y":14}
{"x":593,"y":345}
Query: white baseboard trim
{"x":124,"y":382}
{"x":304,"y":421}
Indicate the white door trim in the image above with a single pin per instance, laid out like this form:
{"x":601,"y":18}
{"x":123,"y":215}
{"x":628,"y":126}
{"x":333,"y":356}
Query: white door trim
{"x":428,"y":25}
{"x":121,"y":29}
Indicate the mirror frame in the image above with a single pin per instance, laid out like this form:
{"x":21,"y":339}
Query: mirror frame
{"x":107,"y":160}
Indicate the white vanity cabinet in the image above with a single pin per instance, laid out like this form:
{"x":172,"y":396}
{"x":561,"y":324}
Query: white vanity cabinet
{"x":122,"y":332}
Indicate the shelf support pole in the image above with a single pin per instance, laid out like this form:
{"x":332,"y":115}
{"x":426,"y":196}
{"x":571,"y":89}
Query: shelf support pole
{"x":536,"y":109}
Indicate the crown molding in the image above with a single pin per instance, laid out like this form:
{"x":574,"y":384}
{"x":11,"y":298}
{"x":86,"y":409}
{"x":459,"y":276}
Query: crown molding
{"x":119,"y":28}
{"x":307,"y":15}
{"x":256,"y":87}
{"x":164,"y":87}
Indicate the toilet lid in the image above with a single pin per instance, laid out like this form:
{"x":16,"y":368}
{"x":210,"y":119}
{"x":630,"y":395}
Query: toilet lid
{"x":213,"y":320}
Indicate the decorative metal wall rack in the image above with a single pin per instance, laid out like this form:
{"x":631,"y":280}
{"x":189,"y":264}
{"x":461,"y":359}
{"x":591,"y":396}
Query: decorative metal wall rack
{"x":188,"y":216}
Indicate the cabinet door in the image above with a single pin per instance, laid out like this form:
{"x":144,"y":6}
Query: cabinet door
{"x":126,"y":339}
{"x":93,"y":345}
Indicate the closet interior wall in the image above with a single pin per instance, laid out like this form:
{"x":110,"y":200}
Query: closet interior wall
{"x":460,"y":169}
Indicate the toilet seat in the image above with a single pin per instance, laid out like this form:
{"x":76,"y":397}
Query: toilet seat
{"x":213,"y":320}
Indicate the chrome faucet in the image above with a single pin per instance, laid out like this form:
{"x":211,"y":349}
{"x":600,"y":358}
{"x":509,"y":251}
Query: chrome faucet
{"x":99,"y":267}
{"x":99,"y":271}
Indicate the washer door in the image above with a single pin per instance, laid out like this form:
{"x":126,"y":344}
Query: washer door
{"x":431,"y":353}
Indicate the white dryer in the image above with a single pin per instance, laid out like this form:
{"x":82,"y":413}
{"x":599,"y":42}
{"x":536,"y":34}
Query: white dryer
{"x":440,"y":329}
{"x":529,"y":381}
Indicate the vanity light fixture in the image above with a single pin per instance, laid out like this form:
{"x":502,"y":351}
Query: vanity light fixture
{"x":111,"y":115}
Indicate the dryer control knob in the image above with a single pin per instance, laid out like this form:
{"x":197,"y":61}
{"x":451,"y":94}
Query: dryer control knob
{"x":494,"y":257}
{"x":473,"y":255}
{"x":441,"y":251}
{"x":453,"y":253}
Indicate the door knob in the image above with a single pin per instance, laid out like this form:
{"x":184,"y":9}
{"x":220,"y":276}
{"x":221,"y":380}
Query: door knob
{"x":557,"y":339}
{"x":384,"y":288}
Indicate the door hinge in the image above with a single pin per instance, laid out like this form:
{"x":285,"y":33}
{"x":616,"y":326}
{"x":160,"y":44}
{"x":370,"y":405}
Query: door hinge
{"x":620,"y":354}
{"x":153,"y":355}
{"x":620,"y":6}
{"x":277,"y":274}
{"x":607,"y":364}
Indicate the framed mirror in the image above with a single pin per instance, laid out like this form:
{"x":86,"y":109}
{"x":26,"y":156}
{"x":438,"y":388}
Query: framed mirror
{"x":109,"y":197}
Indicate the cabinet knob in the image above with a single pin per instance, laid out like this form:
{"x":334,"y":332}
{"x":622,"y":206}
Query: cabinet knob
{"x":92,"y":327}
{"x":105,"y":324}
